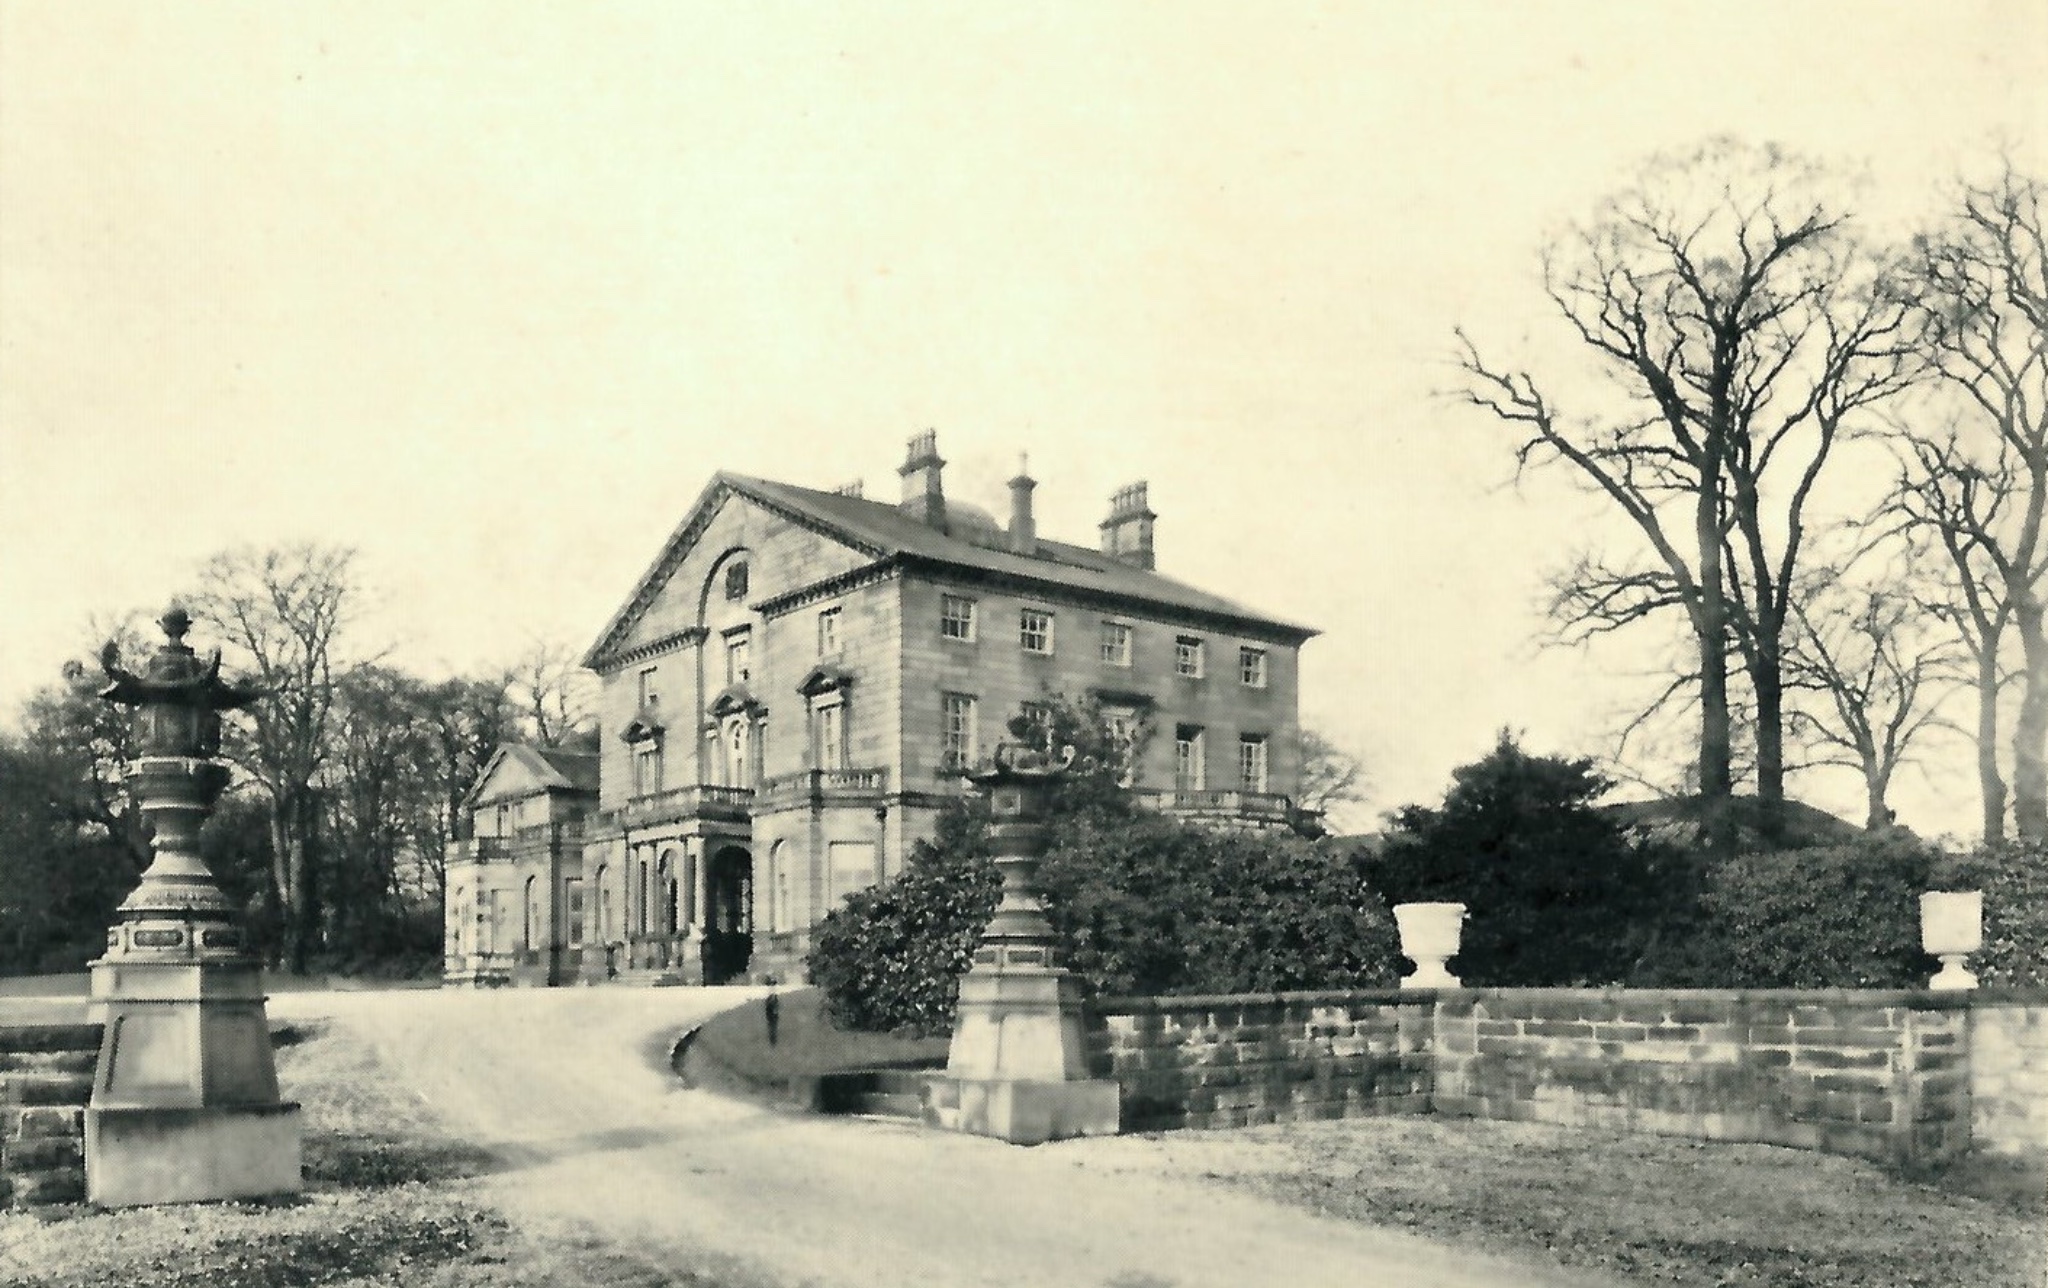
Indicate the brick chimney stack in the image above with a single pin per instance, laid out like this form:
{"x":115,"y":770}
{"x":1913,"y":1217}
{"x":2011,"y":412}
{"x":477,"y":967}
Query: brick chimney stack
{"x":1127,"y":532}
{"x":1023,"y":528}
{"x":923,"y":497}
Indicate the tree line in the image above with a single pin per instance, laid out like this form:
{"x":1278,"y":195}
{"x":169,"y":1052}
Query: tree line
{"x":1741,"y":356}
{"x":350,"y":775}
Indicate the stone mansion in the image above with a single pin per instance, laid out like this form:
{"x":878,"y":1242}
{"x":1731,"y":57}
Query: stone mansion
{"x":786,"y":694}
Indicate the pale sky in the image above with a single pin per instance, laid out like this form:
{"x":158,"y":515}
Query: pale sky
{"x":488,"y":290}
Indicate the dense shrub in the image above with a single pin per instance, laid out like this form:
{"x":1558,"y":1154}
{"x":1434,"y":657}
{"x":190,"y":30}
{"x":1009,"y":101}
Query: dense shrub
{"x":1844,"y":916}
{"x":2014,"y":878}
{"x":1555,"y":891}
{"x":1145,"y":905}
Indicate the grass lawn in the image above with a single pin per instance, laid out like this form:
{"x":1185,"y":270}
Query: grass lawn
{"x":732,"y":1052}
{"x":1653,"y":1209}
{"x":391,"y":1198}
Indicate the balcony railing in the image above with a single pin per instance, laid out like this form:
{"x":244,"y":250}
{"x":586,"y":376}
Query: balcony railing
{"x":700,"y":801}
{"x":1233,"y":802}
{"x":826,"y":784}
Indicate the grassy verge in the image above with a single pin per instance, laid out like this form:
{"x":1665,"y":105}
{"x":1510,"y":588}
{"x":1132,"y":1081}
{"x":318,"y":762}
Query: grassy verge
{"x":732,"y":1052}
{"x":1652,"y":1209}
{"x":391,"y":1198}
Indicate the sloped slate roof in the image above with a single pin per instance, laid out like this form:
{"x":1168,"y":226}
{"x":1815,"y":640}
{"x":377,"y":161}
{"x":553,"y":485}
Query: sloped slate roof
{"x":886,"y":533}
{"x":551,"y":767}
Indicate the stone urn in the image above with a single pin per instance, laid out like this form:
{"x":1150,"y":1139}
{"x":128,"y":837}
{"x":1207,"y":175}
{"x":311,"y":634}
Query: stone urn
{"x":1429,"y":937}
{"x":1951,"y":928}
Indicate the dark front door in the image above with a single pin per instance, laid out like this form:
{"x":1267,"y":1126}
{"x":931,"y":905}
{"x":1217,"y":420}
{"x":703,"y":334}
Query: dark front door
{"x":729,"y":930}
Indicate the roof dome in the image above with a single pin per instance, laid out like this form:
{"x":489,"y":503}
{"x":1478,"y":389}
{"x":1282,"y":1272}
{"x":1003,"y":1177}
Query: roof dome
{"x":970,"y":522}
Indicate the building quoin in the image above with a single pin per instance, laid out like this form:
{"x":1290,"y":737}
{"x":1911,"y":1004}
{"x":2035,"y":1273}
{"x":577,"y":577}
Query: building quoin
{"x":787,"y":693}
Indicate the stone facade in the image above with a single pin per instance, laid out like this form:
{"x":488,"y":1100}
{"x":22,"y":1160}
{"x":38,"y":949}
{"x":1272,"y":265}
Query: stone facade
{"x":515,"y":885}
{"x":787,"y":692}
{"x":1908,"y":1077}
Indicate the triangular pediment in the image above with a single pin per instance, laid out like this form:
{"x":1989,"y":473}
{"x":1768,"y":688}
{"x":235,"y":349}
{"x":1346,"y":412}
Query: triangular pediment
{"x":513,"y":772}
{"x":637,"y":624}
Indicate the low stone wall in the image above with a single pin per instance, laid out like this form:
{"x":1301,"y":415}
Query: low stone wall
{"x":2008,"y":1045}
{"x":1875,"y":1074}
{"x":1233,"y":1061}
{"x":46,"y":1075}
{"x":1888,"y":1075}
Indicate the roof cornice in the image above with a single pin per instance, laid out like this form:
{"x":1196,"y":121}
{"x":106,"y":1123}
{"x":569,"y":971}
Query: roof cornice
{"x":1052,"y":587}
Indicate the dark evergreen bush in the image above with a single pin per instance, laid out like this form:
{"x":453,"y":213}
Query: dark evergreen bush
{"x":1555,"y":891}
{"x":1845,"y":916}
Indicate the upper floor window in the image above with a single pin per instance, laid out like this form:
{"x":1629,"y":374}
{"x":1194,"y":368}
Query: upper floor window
{"x":1034,"y":630}
{"x":1251,"y":762}
{"x":1121,"y":726}
{"x":736,"y":581}
{"x":956,"y":617}
{"x":1188,"y":771}
{"x":648,"y":694}
{"x":959,"y":733}
{"x":738,"y":670}
{"x":1116,"y":643}
{"x":1187,"y":656}
{"x":831,"y":737}
{"x":1251,"y":667}
{"x":828,"y":632}
{"x":647,"y":769}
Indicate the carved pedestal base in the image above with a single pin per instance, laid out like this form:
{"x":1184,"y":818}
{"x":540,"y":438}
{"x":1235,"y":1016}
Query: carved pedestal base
{"x":185,"y":1103}
{"x":1018,"y":1066}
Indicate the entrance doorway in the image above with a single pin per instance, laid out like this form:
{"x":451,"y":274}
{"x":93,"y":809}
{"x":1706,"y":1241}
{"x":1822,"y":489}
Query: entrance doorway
{"x":729,"y":927}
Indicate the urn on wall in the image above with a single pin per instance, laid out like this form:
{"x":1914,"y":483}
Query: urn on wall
{"x":1430,"y":933}
{"x":1951,"y":928}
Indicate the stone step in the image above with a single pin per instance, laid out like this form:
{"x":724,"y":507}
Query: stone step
{"x":45,"y":1153}
{"x":41,"y":1121}
{"x":46,"y":1088}
{"x":649,"y":979}
{"x":887,"y":1104}
{"x":53,"y":1185}
{"x":22,"y":1038}
{"x":48,"y":1061}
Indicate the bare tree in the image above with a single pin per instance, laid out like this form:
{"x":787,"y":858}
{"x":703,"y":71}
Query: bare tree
{"x":554,"y":694}
{"x":1330,"y":776}
{"x":1739,"y":327}
{"x":280,"y":614}
{"x":1878,"y":671}
{"x":1976,"y":489}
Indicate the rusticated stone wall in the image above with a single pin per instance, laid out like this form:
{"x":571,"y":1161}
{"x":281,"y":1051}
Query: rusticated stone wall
{"x":45,"y":1079}
{"x":1233,"y":1061}
{"x":2008,"y":1043}
{"x":1904,"y":1076}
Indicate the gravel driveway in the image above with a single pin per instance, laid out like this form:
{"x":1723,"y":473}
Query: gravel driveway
{"x":560,"y":1083}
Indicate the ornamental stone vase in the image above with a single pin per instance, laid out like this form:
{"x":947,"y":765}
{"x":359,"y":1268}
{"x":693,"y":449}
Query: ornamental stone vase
{"x":1430,"y":934}
{"x":1951,"y":928}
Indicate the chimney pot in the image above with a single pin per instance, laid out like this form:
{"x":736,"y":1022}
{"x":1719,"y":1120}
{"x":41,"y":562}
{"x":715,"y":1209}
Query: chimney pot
{"x":1023,"y":527}
{"x":1127,"y":532}
{"x":924,"y":497}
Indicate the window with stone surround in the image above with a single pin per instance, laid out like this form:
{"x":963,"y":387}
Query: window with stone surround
{"x":828,"y":632}
{"x":1116,"y":643}
{"x":647,"y":768}
{"x":648,"y":693}
{"x":1251,"y":667}
{"x":959,"y":732}
{"x":1188,"y":772}
{"x":1251,"y":762}
{"x":1187,"y":656}
{"x":736,"y":581}
{"x":1034,"y":630}
{"x":572,"y":902}
{"x":956,"y":618}
{"x":738,"y":666}
{"x":831,"y":741}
